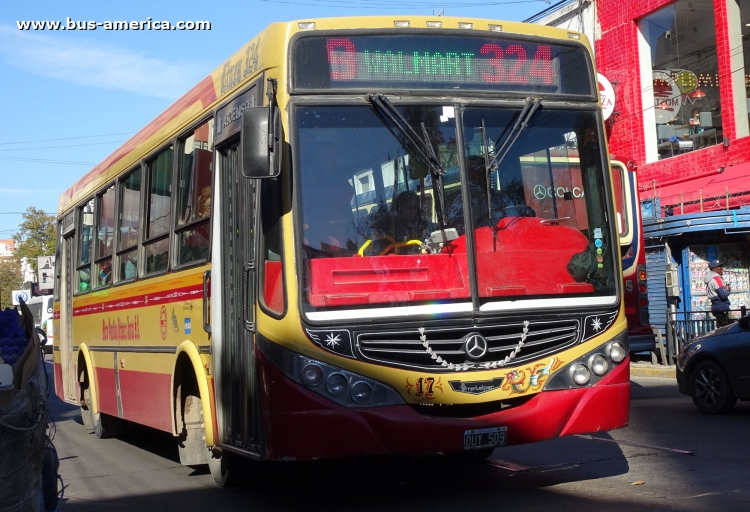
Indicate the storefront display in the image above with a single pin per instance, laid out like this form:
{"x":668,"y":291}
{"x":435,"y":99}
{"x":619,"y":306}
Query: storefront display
{"x":735,"y":274}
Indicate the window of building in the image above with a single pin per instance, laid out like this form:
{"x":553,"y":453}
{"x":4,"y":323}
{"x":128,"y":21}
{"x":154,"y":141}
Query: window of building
{"x":194,"y":195}
{"x":86,"y":233}
{"x":681,"y":39}
{"x":105,"y":225}
{"x":128,"y":221}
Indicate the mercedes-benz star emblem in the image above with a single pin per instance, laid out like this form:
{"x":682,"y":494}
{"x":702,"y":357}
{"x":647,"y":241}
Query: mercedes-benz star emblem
{"x":475,"y":346}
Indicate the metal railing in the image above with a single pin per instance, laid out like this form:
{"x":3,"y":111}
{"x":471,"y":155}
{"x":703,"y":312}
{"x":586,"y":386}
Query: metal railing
{"x":684,"y":326}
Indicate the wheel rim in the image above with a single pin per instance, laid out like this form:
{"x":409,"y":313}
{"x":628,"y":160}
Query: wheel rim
{"x":707,"y":387}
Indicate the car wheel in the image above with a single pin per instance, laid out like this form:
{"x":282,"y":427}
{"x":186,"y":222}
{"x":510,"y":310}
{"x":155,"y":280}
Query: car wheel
{"x":712,"y":393}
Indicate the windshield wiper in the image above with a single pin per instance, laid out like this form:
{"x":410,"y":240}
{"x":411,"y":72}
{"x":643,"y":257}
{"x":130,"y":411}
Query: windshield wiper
{"x":529,"y":108}
{"x":421,"y":146}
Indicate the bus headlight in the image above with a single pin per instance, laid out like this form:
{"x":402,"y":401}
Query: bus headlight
{"x":580,"y":374}
{"x":311,"y":375}
{"x":598,"y":364}
{"x":336,"y":384}
{"x":361,"y":392}
{"x":616,"y":351}
{"x":341,"y":386}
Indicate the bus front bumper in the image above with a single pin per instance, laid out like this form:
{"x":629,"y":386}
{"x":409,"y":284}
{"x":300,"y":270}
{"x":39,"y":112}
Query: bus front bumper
{"x":299,"y":424}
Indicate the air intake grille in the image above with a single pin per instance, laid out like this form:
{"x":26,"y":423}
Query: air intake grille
{"x":446,"y":349}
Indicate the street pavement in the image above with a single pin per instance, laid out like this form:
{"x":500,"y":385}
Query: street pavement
{"x":669,"y":457}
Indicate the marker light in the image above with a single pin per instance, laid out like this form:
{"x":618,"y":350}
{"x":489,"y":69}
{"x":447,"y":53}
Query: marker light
{"x":311,"y":375}
{"x":495,"y":28}
{"x":306,"y":25}
{"x":434,"y":24}
{"x":599,"y":364}
{"x":580,"y":374}
{"x":336,"y":384}
{"x":572,"y":35}
{"x":361,"y":392}
{"x":466,"y":25}
{"x":616,"y":351}
{"x":401,"y":24}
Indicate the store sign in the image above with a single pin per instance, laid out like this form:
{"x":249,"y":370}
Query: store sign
{"x":667,"y":97}
{"x":20,"y":295}
{"x":607,"y":96}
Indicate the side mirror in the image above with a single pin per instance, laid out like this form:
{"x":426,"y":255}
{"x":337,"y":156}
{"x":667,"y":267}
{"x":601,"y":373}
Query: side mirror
{"x":261,"y":157}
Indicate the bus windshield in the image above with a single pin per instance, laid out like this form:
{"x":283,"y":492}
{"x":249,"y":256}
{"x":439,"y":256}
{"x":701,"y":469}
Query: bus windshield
{"x":378,"y":229}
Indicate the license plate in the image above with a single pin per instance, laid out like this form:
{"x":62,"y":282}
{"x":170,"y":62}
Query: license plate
{"x":485,"y":438}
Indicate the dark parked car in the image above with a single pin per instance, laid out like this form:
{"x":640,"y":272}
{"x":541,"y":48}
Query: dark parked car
{"x":714,"y":369}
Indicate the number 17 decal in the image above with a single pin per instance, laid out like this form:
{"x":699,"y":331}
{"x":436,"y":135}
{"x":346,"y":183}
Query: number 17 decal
{"x":424,"y":388}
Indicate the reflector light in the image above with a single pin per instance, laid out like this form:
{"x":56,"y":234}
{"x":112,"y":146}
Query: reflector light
{"x":572,"y":35}
{"x":401,"y":24}
{"x":466,"y":25}
{"x":644,"y":302}
{"x":495,"y":28}
{"x":306,"y":25}
{"x":643,"y":288}
{"x":434,"y":24}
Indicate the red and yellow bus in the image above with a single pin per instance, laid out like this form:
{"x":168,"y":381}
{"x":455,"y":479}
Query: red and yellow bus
{"x":357,"y":236}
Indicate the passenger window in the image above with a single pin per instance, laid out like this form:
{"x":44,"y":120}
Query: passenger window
{"x":194,"y":195}
{"x":86,"y":223}
{"x":129,"y":222}
{"x":105,"y":237}
{"x":271,"y":245}
{"x":159,"y":212}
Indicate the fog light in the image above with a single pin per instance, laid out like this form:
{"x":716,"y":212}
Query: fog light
{"x":311,"y":375}
{"x":599,"y":364}
{"x":336,"y":384}
{"x":616,"y":351}
{"x":580,"y":374}
{"x":361,"y":392}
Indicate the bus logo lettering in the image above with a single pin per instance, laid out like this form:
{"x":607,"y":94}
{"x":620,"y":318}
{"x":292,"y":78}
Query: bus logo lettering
{"x":121,"y":329}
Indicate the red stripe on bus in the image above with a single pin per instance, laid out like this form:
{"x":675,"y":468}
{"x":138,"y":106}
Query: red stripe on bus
{"x":105,"y":390}
{"x":145,"y":398}
{"x":57,"y":369}
{"x":140,"y":301}
{"x":203,"y":92}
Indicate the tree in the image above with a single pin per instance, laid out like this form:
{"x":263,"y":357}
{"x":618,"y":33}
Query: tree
{"x":10,"y":279}
{"x":36,"y":236}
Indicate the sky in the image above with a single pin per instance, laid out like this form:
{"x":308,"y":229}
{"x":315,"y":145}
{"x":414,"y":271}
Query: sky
{"x":72,"y":97}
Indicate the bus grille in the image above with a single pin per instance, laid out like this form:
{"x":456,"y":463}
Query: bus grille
{"x":445,"y":349}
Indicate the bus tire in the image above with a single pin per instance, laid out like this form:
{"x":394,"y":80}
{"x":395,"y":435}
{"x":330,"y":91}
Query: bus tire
{"x":106,"y":426}
{"x":87,"y":416}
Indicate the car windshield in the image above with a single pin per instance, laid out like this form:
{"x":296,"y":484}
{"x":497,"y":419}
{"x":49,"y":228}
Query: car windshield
{"x":377,"y":228}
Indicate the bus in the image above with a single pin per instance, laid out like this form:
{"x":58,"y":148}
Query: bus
{"x":356,"y":236}
{"x":634,"y":274}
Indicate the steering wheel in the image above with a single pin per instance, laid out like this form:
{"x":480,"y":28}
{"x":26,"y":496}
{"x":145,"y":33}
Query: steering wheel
{"x":392,"y":246}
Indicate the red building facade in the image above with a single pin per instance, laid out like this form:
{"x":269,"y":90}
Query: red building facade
{"x":681,"y":115}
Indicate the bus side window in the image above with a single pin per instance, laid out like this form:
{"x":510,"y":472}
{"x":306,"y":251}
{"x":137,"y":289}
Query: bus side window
{"x":271,"y":245}
{"x":128,"y":223}
{"x":105,"y":224}
{"x":192,"y":229}
{"x":86,"y":233}
{"x":159,"y":212}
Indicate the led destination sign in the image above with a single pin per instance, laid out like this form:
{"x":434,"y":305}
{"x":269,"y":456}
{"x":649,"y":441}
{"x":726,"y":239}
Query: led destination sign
{"x":444,"y":62}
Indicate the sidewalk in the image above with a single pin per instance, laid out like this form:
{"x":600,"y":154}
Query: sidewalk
{"x":652,"y":370}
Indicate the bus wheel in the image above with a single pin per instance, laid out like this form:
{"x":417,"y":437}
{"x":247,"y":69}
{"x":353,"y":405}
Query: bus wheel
{"x":219,"y":467}
{"x":86,"y":416}
{"x":106,"y":426}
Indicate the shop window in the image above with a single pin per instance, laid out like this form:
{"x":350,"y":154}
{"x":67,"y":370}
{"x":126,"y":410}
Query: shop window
{"x":685,"y":74}
{"x":159,"y":212}
{"x":86,"y":223}
{"x":194,"y":195}
{"x":105,"y":226}
{"x":128,"y":220}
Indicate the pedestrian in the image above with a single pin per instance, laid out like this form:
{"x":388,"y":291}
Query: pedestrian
{"x":718,"y":292}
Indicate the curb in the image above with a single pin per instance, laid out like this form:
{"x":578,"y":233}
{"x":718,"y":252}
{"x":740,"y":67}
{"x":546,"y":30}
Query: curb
{"x":665,"y":372}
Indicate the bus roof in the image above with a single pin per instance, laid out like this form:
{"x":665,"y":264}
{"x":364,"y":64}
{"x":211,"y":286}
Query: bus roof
{"x":234,"y":73}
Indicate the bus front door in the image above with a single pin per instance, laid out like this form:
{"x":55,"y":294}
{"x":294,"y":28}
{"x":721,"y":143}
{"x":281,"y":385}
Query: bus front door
{"x":236,"y":386}
{"x":67,"y":361}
